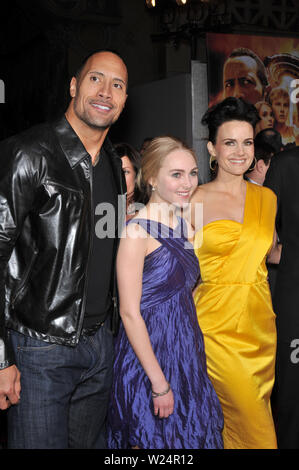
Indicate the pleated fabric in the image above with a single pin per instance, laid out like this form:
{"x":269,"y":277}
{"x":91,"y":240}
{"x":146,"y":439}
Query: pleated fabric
{"x":235,"y":314}
{"x":168,"y":310}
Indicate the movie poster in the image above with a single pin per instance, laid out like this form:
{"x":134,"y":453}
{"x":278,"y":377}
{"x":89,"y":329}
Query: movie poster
{"x":264,"y":71}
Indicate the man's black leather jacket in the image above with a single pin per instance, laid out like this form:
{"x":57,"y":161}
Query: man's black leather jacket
{"x":46,"y":216}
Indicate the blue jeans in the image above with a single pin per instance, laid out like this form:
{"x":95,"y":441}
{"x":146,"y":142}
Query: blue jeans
{"x":65,"y":393}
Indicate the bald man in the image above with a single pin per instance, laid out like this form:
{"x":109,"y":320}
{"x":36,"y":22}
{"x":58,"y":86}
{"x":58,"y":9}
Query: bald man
{"x":58,"y":293}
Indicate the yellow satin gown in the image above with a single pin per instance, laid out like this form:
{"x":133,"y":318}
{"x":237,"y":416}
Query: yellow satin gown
{"x":234,"y":310}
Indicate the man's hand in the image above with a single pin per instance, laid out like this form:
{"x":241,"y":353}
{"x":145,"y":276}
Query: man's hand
{"x":10,"y":387}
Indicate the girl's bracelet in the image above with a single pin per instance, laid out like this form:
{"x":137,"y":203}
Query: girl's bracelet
{"x":156,"y":394}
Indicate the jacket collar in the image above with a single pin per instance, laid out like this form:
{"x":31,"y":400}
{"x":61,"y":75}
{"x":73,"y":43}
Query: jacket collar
{"x":73,"y":147}
{"x":69,"y":141}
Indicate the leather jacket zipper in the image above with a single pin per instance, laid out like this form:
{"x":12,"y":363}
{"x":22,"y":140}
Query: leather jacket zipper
{"x":62,"y":185}
{"x":89,"y":251}
{"x":114,"y":295}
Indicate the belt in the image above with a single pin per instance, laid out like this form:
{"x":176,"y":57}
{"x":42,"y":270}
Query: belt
{"x":92,"y":329}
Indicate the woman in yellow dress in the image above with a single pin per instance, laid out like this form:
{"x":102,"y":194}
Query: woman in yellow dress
{"x":233,"y":300}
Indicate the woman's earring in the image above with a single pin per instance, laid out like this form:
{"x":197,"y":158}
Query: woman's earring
{"x":253,"y":161}
{"x":213,"y":159}
{"x":153,"y":188}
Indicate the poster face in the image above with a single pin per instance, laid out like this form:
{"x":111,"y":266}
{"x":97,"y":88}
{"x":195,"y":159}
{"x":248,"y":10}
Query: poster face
{"x":264,"y":71}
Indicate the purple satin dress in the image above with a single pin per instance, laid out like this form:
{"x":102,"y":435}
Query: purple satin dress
{"x":167,"y":308}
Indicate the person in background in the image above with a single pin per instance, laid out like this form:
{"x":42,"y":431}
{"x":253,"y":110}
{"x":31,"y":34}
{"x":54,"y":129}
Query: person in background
{"x":233,"y":301}
{"x":258,"y":173}
{"x":144,"y":144}
{"x":266,"y":144}
{"x":162,"y":397}
{"x":130,"y":164}
{"x":282,"y":177}
{"x":56,"y":343}
{"x":266,"y":116}
{"x":269,"y":139}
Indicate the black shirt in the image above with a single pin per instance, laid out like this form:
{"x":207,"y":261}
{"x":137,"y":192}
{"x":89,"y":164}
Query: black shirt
{"x":104,"y":194}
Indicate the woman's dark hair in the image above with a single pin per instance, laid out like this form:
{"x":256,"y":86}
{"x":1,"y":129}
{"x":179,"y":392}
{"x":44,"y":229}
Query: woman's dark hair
{"x":124,"y":149}
{"x":230,"y":109}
